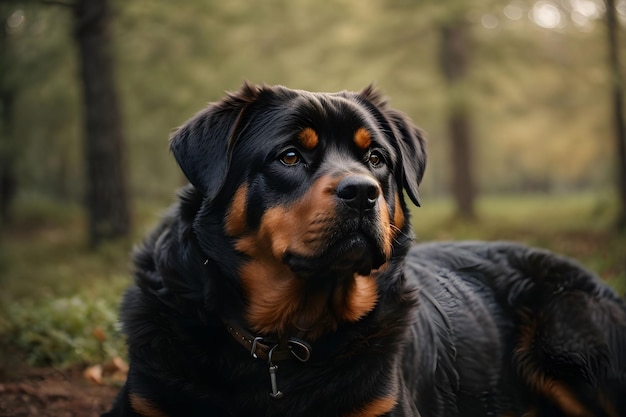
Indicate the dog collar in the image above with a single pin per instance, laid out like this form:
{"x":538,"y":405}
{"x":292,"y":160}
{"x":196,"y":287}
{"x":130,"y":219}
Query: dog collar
{"x":259,"y":348}
{"x":285,"y":349}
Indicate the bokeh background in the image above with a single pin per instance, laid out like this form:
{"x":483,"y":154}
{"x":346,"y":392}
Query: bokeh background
{"x":517,"y":97}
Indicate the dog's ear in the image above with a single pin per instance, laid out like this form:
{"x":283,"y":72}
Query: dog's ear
{"x":409,"y":142}
{"x":412,"y":148}
{"x":203,"y":146}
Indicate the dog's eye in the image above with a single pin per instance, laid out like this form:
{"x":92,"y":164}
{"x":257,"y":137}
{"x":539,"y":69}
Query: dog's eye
{"x":290,"y":158}
{"x":375,"y":158}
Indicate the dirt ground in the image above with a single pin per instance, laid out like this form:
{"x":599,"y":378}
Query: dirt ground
{"x":46,"y":392}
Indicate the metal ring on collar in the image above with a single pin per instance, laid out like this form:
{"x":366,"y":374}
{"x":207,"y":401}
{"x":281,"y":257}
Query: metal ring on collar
{"x":300,"y":349}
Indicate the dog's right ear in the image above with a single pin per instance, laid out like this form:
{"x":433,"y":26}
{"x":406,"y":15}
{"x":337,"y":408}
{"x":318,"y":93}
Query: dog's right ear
{"x":203,"y":146}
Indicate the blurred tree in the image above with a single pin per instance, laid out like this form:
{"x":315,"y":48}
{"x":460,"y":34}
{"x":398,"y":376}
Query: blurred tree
{"x":106,"y":189}
{"x":7,"y":100}
{"x":454,"y":54}
{"x":38,"y":71}
{"x":617,"y":87}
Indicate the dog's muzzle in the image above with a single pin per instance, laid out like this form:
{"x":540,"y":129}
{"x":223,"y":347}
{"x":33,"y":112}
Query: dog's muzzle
{"x":355,"y":243}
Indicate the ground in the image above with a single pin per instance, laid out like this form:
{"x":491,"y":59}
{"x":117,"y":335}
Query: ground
{"x":47,"y":392}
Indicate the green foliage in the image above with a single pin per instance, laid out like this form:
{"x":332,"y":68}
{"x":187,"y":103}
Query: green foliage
{"x":64,"y":331}
{"x":59,"y":301}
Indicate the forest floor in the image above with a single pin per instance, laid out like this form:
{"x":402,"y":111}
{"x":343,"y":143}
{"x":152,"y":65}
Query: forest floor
{"x":27,"y":391}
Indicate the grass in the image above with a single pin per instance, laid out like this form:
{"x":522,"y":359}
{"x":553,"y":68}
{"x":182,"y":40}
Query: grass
{"x":59,"y":300}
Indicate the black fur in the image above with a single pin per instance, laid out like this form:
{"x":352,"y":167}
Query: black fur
{"x":457,"y":329}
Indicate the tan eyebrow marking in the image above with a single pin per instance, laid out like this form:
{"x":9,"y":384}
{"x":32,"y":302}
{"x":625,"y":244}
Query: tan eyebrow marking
{"x":362,"y":138}
{"x":308,"y":138}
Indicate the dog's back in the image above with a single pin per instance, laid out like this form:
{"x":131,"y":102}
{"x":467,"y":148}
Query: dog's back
{"x":503,"y":328}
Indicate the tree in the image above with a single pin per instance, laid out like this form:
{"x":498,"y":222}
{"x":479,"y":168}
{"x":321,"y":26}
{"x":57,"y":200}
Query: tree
{"x":454,"y":51}
{"x":106,"y":190}
{"x":7,"y":99}
{"x":105,"y":195}
{"x":617,"y":92}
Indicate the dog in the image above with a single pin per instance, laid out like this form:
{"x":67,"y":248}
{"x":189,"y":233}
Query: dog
{"x":286,"y":282}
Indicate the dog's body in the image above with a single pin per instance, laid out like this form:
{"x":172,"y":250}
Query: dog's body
{"x":284,"y":283}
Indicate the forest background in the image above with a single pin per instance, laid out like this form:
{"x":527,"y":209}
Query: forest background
{"x":517,"y":98}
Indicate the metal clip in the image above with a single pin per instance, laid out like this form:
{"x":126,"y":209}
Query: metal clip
{"x":253,"y":348}
{"x":276,"y":393}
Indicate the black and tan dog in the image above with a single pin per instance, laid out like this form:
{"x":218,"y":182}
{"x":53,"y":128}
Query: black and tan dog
{"x":285,"y":283}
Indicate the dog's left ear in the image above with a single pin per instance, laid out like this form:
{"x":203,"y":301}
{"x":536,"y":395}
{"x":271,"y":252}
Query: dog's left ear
{"x":203,"y":146}
{"x":409,"y":142}
{"x":412,"y":148}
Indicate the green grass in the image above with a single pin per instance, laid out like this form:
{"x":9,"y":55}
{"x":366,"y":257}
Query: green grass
{"x":59,"y":300}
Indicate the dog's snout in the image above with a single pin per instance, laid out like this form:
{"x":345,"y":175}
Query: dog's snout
{"x":358,"y":192}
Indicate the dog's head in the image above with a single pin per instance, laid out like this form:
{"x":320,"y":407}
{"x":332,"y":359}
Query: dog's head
{"x":310,"y":188}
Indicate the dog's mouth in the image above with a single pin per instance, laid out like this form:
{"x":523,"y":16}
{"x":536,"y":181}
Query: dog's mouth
{"x":355,"y":252}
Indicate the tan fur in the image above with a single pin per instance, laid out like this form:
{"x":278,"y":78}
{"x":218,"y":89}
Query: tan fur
{"x":277,"y":300}
{"x":235,"y":223}
{"x":398,"y":215}
{"x":552,"y":389}
{"x":144,"y":407}
{"x":362,"y":138}
{"x":308,"y":138}
{"x":378,"y":407}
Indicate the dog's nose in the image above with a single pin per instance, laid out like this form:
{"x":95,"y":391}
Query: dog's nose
{"x":358,"y":192}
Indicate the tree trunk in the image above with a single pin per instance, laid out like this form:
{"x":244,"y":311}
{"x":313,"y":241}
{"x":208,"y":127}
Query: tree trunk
{"x":454,"y":62}
{"x":8,"y":180}
{"x":106,"y":195}
{"x":462,"y":181}
{"x":617,"y":98}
